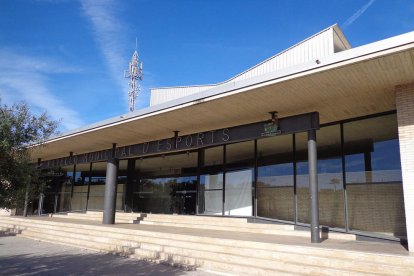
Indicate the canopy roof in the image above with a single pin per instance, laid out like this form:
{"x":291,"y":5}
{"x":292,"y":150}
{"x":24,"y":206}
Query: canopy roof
{"x":351,"y":83}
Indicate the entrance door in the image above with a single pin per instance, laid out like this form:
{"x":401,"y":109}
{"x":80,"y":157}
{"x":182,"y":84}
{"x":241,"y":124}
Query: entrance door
{"x":185,"y":202}
{"x":184,"y":195}
{"x":166,"y":184}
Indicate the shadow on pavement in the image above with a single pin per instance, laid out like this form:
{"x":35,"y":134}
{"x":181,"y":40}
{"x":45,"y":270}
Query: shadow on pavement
{"x":81,"y":264}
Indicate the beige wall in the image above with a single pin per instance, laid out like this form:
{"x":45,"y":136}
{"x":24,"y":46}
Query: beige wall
{"x":404,"y":99}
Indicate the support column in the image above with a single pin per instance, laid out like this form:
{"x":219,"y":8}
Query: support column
{"x":313,"y":186}
{"x":404,"y":99}
{"x":110,"y":189}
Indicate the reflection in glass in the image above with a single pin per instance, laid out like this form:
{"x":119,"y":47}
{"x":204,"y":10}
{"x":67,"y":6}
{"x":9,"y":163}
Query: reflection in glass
{"x":302,"y":178}
{"x":65,"y":189}
{"x":80,"y":188}
{"x":56,"y":190}
{"x":210,"y":193}
{"x":121,"y":183}
{"x":373,"y":176}
{"x":275,"y":178}
{"x":330,"y":181}
{"x":211,"y":202}
{"x":238,"y":193}
{"x":239,"y":179}
{"x":166,"y":184}
{"x":97,"y":186}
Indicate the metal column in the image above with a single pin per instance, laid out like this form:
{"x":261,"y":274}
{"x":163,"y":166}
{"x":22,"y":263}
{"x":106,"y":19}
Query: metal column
{"x":313,"y":186}
{"x":110,"y":191}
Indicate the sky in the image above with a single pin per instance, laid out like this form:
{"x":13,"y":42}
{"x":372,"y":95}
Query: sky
{"x":68,"y":57}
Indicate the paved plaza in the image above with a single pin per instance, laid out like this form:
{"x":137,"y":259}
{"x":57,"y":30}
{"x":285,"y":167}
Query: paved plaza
{"x":21,"y":256}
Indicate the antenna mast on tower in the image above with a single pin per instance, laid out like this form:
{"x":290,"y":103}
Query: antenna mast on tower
{"x":134,"y":74}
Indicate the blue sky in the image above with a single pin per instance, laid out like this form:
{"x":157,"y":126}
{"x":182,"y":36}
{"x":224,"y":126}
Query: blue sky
{"x":68,"y":57}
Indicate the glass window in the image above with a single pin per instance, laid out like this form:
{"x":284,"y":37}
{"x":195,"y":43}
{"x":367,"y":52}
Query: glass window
{"x":238,"y":200}
{"x":210,"y":195}
{"x":166,"y":184}
{"x":302,"y":177}
{"x":97,"y":186}
{"x":330,"y":180}
{"x":121,"y":184}
{"x":65,"y":189}
{"x":275,"y":194}
{"x":373,"y":176}
{"x":80,"y":188}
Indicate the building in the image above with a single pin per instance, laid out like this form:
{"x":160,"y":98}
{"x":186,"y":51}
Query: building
{"x":246,"y":146}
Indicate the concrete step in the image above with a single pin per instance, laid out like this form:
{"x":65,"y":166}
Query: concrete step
{"x":195,"y":218}
{"x":94,"y":218}
{"x":145,"y":254}
{"x":100,"y":214}
{"x":254,"y":265}
{"x":303,"y":264}
{"x":180,"y":246}
{"x":207,"y":241}
{"x":223,"y":222}
{"x":110,"y":239}
{"x":117,"y":214}
{"x":152,"y":252}
{"x":251,"y":228}
{"x":206,"y":222}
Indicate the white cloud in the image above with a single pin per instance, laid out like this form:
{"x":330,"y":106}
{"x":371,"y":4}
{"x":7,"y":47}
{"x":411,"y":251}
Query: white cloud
{"x":26,"y":78}
{"x":108,"y":31}
{"x":357,"y":14}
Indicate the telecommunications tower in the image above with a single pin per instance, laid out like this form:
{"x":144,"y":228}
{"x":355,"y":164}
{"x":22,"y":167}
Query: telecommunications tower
{"x":134,"y":74}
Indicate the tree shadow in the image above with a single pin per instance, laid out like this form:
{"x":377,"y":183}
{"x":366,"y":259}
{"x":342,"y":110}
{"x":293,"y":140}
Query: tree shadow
{"x":82,"y":264}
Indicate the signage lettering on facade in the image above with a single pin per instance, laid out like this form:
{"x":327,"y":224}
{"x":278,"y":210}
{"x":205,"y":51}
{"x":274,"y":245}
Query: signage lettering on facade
{"x":298,"y":123}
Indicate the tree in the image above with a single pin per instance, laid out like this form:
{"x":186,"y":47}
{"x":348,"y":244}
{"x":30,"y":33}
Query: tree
{"x":19,"y":129}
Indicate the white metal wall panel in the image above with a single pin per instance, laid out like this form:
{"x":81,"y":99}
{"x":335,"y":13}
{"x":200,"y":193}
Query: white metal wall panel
{"x":161,"y":95}
{"x":322,"y":44}
{"x":313,"y":48}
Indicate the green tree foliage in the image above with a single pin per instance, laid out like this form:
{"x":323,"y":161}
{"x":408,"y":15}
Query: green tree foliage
{"x":19,"y":129}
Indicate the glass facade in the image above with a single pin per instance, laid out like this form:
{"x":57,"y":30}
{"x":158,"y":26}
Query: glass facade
{"x":81,"y":187}
{"x":330,"y":180}
{"x":239,"y":179}
{"x":97,"y":186}
{"x":64,"y":191}
{"x":373,"y":176}
{"x":166,"y":184}
{"x":210,"y":193}
{"x":275,"y":178}
{"x":359,"y":175}
{"x":302,"y":178}
{"x":56,"y":190}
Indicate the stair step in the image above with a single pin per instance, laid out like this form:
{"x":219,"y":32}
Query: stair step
{"x":224,"y":223}
{"x":120,"y":219}
{"x":251,"y":229}
{"x":206,"y":241}
{"x":178,"y":249}
{"x":263,"y":256}
{"x":237,"y":269}
{"x":145,"y":254}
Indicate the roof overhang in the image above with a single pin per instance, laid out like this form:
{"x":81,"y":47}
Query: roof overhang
{"x":352,"y":83}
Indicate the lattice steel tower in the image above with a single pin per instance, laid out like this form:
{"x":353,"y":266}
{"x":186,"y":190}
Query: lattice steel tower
{"x":134,"y":74}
